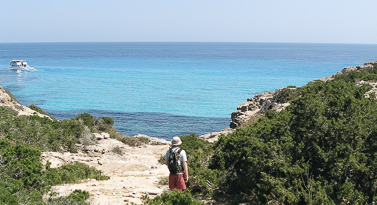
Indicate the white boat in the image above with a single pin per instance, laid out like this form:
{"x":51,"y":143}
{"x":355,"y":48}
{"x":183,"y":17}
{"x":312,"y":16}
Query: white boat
{"x":20,"y":65}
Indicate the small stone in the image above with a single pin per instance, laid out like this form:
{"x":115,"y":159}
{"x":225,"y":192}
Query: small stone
{"x":105,"y":135}
{"x":152,"y":193}
{"x":98,"y":136}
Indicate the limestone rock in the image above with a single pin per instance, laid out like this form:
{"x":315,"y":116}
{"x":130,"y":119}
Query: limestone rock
{"x":255,"y":107}
{"x":214,"y":136}
{"x":98,"y":136}
{"x":105,"y":135}
{"x":7,"y":101}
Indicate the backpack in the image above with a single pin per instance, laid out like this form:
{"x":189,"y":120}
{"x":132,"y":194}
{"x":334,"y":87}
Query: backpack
{"x":174,"y":162}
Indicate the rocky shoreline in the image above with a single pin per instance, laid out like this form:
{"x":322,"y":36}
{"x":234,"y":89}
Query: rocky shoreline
{"x":257,"y":106}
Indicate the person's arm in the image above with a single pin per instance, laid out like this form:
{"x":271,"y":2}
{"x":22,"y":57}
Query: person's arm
{"x":167,"y":157}
{"x":185,"y":169}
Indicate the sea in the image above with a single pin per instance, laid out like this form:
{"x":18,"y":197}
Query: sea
{"x":165,"y":89}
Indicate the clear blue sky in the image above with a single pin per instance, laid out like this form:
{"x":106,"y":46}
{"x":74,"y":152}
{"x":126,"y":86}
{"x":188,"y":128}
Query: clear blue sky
{"x":301,"y":21}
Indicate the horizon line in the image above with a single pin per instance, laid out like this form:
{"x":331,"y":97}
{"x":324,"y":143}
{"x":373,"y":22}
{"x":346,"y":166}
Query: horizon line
{"x":181,"y":42}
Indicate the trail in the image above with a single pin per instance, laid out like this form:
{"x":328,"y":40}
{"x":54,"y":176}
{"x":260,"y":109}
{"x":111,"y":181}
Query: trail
{"x":133,"y":174}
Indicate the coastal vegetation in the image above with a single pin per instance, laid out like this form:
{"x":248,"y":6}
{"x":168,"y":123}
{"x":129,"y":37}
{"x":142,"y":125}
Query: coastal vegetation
{"x":24,"y":180}
{"x":322,"y":149}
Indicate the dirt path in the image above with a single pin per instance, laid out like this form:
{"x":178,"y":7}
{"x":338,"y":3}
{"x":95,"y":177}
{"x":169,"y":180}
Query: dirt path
{"x":134,"y":173}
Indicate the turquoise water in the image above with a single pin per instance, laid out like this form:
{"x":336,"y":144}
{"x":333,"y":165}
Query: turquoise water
{"x":166,"y":89}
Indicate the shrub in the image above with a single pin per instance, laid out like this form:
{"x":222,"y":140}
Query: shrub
{"x":87,"y":119}
{"x":320,"y":150}
{"x":73,"y":173}
{"x":23,"y":181}
{"x":132,"y":141}
{"x":38,"y":109}
{"x":117,"y":150}
{"x":7,"y":111}
{"x":77,"y":197}
{"x":286,"y":94}
{"x":163,"y":181}
{"x":108,"y":120}
{"x":175,"y":197}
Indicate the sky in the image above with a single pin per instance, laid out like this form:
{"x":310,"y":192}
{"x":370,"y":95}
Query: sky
{"x":293,"y":21}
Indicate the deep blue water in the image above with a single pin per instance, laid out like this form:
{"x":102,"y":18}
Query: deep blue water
{"x":166,"y":89}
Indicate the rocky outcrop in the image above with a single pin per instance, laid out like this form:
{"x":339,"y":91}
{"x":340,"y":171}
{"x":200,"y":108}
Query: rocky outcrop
{"x":214,"y":136}
{"x":7,"y":101}
{"x":347,"y":69}
{"x":255,"y":107}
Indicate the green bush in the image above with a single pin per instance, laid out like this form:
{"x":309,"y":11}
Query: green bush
{"x":23,"y":181}
{"x":72,"y":173}
{"x":47,"y":134}
{"x":77,"y":197}
{"x":87,"y":119}
{"x":117,"y":150}
{"x":7,"y":111}
{"x":320,"y":150}
{"x":132,"y":141}
{"x":108,"y":120}
{"x":173,"y":198}
{"x":38,"y":109}
{"x":287,"y":94}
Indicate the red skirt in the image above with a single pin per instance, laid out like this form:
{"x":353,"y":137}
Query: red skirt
{"x":177,"y":181}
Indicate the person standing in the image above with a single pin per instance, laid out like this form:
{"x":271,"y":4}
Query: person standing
{"x":177,"y":178}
